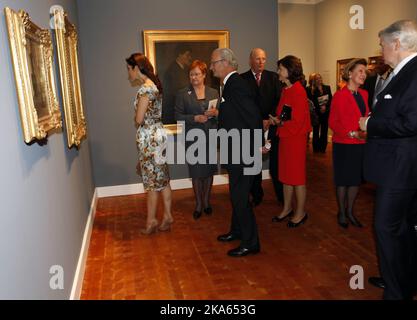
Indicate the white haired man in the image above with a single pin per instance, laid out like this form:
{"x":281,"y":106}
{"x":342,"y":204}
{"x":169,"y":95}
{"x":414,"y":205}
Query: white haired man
{"x":238,"y":111}
{"x":391,"y":161}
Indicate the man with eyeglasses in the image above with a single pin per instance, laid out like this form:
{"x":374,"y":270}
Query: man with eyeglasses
{"x":238,"y":110}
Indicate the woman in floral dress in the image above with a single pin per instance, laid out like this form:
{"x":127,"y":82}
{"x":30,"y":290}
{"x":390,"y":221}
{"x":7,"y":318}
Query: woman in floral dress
{"x":152,"y":140}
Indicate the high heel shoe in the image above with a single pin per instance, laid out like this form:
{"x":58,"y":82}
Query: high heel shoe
{"x":297,"y":224}
{"x":354,"y":221}
{"x":150,"y":228}
{"x":166,"y":225}
{"x":278,"y":219}
{"x":342,"y":222}
{"x":208,"y":211}
{"x":196,"y":215}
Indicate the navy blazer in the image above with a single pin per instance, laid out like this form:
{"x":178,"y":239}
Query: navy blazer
{"x":391,"y":150}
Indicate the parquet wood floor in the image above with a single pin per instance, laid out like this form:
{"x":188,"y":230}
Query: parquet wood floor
{"x":310,"y":262}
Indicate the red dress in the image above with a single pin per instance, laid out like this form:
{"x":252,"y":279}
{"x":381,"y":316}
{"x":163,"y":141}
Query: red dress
{"x":293,"y":136}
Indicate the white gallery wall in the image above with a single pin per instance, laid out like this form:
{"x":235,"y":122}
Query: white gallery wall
{"x":45,"y":191}
{"x":328,"y":37}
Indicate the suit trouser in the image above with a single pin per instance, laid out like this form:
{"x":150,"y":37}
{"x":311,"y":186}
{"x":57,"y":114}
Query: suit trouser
{"x":395,"y":216}
{"x":256,"y":190}
{"x":273,"y":169}
{"x":243,"y":220}
{"x":320,"y":133}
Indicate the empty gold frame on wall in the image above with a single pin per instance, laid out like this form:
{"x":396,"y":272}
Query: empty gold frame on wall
{"x":32,"y":56}
{"x":67,"y":48}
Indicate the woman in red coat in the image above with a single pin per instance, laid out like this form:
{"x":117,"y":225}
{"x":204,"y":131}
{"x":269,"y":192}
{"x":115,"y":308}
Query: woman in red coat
{"x":293,"y":140}
{"x":348,"y":105}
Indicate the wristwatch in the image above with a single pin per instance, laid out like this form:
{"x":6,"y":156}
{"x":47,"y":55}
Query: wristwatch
{"x":352,"y":134}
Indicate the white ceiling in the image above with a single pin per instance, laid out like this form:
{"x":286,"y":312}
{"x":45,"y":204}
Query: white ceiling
{"x":300,"y":1}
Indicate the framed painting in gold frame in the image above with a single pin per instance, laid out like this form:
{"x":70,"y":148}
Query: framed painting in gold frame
{"x":340,"y":66}
{"x":162,"y":48}
{"x":32,"y":57}
{"x":67,"y":48}
{"x":373,"y":61}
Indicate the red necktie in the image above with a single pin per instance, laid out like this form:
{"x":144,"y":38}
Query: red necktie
{"x":258,"y":79}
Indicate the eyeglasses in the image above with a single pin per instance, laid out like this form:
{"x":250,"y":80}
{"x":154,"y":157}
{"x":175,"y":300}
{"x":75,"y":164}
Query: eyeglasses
{"x":212,"y":63}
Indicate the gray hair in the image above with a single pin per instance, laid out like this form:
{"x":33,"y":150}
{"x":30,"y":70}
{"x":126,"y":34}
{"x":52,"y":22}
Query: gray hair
{"x":405,"y":31}
{"x":228,"y":55}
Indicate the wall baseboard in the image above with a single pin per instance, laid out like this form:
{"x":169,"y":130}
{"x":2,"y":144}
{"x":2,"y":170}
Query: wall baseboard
{"x":123,"y":190}
{"x":180,"y":184}
{"x":82,"y":259}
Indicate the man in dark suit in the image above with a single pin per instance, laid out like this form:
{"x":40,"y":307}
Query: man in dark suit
{"x":175,"y":78}
{"x":267,"y":88}
{"x":391,"y":161}
{"x":376,"y":81}
{"x":238,"y":112}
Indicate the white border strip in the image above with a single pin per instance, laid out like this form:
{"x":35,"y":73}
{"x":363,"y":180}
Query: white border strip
{"x":82,"y":259}
{"x":137,"y":188}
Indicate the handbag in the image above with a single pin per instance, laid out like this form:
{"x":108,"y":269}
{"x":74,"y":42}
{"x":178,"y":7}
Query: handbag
{"x":286,"y":113}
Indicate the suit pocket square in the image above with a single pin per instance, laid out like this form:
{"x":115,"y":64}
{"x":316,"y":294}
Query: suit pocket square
{"x":387,"y":97}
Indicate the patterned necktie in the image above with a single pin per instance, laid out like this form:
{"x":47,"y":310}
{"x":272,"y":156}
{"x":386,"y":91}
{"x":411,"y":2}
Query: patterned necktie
{"x":258,"y":79}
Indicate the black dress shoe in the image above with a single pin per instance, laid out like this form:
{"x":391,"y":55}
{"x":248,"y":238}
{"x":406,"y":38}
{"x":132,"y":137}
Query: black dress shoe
{"x":354,"y":221}
{"x":297,"y":224}
{"x":241,"y":252}
{"x":227,"y":237}
{"x":208,"y":211}
{"x":278,"y":219}
{"x":197,"y":214}
{"x":377,"y":282}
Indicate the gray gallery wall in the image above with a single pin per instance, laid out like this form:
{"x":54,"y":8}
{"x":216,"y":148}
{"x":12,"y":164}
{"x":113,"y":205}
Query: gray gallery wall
{"x":111,"y":30}
{"x":45,"y":190}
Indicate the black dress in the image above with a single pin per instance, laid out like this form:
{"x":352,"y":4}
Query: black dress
{"x":348,"y":158}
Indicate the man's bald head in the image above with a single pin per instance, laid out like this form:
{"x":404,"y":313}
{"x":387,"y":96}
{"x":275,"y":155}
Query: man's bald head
{"x":257,"y":60}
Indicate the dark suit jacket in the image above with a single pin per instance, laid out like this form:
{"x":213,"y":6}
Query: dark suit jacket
{"x":187,"y":106}
{"x":267,"y":93}
{"x":391,"y":151}
{"x":369,"y":86}
{"x":238,"y":109}
{"x":314,"y":98}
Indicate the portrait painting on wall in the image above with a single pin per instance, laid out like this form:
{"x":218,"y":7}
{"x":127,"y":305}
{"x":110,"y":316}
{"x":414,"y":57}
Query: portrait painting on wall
{"x":172,"y":52}
{"x":31,"y":53}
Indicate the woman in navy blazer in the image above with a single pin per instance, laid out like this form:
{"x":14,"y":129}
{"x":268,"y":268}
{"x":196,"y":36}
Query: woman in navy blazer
{"x":348,"y":106}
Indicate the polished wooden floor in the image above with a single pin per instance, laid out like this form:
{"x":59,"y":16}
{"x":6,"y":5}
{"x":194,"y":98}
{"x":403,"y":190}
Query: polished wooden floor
{"x":310,"y":262}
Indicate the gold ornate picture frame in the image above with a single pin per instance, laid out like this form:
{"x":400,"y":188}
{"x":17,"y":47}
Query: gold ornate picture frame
{"x":67,"y":48}
{"x":161,"y":48}
{"x":32,"y":57}
{"x":340,"y":66}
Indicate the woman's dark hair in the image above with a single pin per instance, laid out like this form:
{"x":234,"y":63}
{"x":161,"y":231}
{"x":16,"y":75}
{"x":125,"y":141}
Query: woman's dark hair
{"x":145,"y":66}
{"x":294,"y":67}
{"x":351,"y":65}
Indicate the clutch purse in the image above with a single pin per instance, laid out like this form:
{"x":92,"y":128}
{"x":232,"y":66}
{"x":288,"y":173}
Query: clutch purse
{"x":285,"y":113}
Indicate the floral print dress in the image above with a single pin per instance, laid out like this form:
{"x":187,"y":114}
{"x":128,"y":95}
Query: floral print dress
{"x":152,"y":141}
